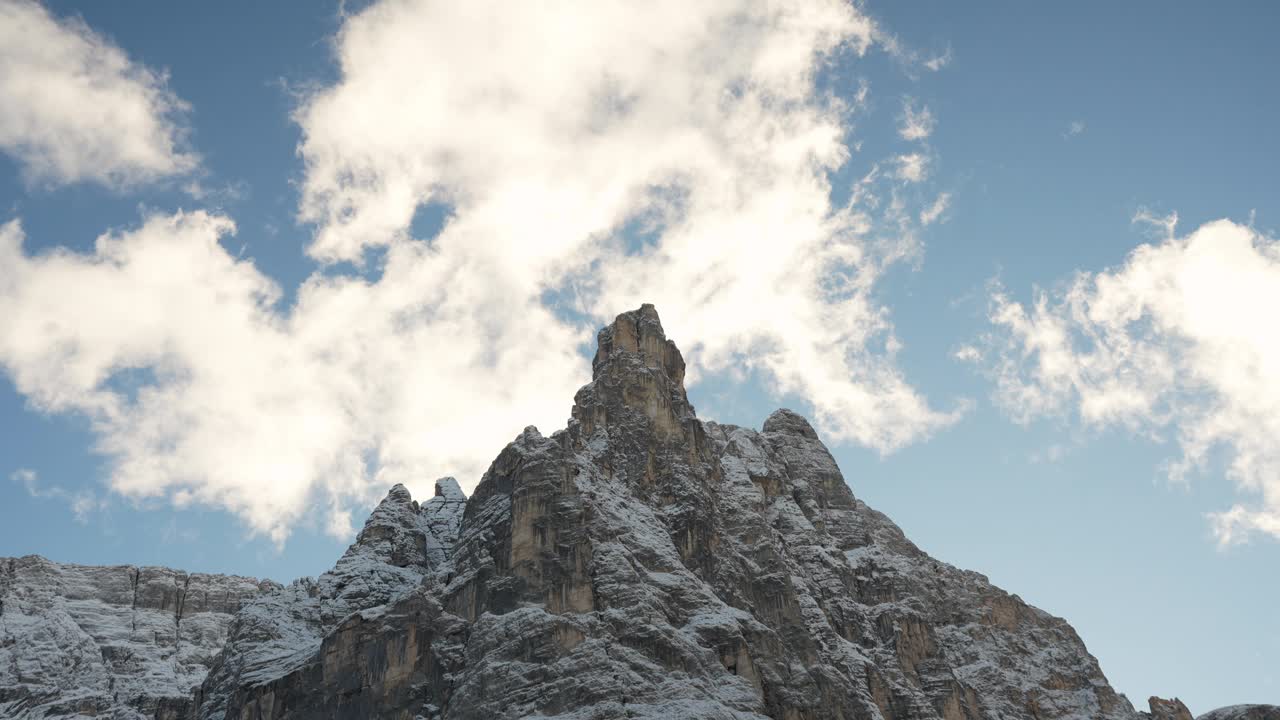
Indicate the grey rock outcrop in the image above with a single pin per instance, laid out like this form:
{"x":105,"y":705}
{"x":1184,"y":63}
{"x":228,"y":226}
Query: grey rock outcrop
{"x":642,"y":563}
{"x":1161,"y":709}
{"x":122,"y":642}
{"x":280,"y":634}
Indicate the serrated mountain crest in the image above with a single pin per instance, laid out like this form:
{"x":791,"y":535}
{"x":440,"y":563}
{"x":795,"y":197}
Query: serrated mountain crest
{"x":639,"y":563}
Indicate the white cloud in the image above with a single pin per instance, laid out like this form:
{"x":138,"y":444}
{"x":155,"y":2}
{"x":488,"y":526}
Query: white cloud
{"x":549,"y":140}
{"x":28,"y":479}
{"x":934,"y":212}
{"x":1179,"y":339}
{"x":594,"y":158}
{"x":938,"y":62}
{"x":1075,"y":128}
{"x":216,"y":196}
{"x":912,"y":167}
{"x":916,"y":124}
{"x":263,"y":412}
{"x":76,"y":108}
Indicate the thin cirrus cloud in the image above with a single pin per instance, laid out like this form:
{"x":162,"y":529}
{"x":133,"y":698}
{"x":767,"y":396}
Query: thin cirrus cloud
{"x":82,"y":503}
{"x":917,"y":123}
{"x":591,"y":158}
{"x":1177,"y":342}
{"x":912,"y":167}
{"x":77,"y":109}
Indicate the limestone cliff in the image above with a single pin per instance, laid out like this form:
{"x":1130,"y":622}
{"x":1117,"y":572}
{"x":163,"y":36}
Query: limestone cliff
{"x":642,"y":563}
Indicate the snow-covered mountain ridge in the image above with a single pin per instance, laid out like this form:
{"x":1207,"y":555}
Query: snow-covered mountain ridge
{"x":640,"y":563}
{"x":121,"y":642}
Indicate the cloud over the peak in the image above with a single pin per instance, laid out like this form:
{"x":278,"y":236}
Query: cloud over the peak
{"x":592,"y":157}
{"x":76,"y":108}
{"x":564,"y":136}
{"x":1178,"y":341}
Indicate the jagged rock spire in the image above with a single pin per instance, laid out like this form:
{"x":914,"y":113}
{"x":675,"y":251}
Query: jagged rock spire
{"x":1162,"y":709}
{"x":637,"y":372}
{"x":639,"y":332}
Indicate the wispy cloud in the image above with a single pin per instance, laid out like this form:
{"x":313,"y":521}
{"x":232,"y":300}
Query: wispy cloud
{"x":216,"y":196}
{"x":28,"y":479}
{"x":912,"y":167}
{"x":1075,"y":128}
{"x":81,"y":503}
{"x":934,"y":212}
{"x":917,"y":123}
{"x":1177,"y":341}
{"x":938,"y":62}
{"x":76,"y":108}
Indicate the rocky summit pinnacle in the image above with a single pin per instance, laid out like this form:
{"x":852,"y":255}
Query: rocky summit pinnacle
{"x":636,"y":371}
{"x":639,"y":563}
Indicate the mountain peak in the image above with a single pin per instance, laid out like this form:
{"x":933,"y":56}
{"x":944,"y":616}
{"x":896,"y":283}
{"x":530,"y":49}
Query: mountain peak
{"x":449,"y":489}
{"x":789,"y":422}
{"x":637,"y":372}
{"x":398,"y":494}
{"x":639,"y":333}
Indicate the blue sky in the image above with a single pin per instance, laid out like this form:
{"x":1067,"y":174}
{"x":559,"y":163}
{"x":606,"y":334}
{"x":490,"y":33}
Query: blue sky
{"x":1040,"y":448}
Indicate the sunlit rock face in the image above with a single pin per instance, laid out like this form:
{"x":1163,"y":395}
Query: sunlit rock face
{"x":643,"y":563}
{"x":1162,"y":709}
{"x":639,"y":563}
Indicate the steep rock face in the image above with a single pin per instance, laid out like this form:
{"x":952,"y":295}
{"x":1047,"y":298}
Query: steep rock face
{"x":1244,"y":712}
{"x":280,"y":633}
{"x":122,"y":642}
{"x":642,"y":563}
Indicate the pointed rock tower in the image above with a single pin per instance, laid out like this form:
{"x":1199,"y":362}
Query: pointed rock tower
{"x":642,"y":563}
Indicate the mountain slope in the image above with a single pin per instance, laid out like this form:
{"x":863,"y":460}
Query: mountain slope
{"x":642,"y":563}
{"x":122,"y":642}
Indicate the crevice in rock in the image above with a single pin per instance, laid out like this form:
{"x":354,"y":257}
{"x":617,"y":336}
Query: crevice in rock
{"x":177,"y":615}
{"x":134,"y":575}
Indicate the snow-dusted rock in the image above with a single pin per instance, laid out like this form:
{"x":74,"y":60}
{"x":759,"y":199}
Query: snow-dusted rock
{"x":122,"y":642}
{"x":279,"y":633}
{"x":642,"y":563}
{"x":1244,"y":712}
